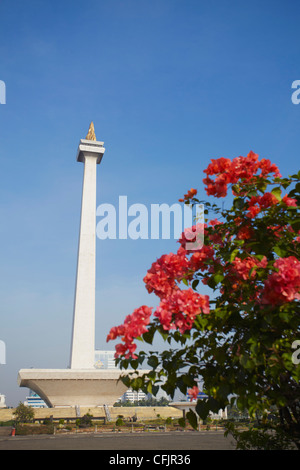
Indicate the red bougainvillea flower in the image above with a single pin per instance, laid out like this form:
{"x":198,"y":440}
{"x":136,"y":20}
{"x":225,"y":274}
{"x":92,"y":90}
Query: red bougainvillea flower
{"x":289,"y":201}
{"x":217,"y":188}
{"x":180,"y":309}
{"x":241,"y":267}
{"x":162,"y":276}
{"x":198,"y":260}
{"x":192,"y":238}
{"x":241,"y":270}
{"x":134,"y":326}
{"x":267,"y":200}
{"x":253,"y":211}
{"x":239,"y":170}
{"x":115,"y":332}
{"x":245,"y":233}
{"x":189,"y":195}
{"x":284,"y":285}
{"x":267,"y":167}
{"x":193,"y":393}
{"x":258,"y":203}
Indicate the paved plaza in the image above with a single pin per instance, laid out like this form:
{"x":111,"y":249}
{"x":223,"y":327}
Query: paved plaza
{"x":175,"y":441}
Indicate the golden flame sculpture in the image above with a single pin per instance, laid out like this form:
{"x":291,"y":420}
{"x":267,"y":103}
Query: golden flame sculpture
{"x":91,"y":133}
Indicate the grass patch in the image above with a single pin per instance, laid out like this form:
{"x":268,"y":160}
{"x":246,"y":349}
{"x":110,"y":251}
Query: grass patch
{"x":30,"y":429}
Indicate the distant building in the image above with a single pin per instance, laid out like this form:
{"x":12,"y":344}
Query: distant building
{"x":34,"y":400}
{"x":105,"y":360}
{"x":222,"y":414}
{"x":200,"y":395}
{"x":2,"y":401}
{"x":132,"y":396}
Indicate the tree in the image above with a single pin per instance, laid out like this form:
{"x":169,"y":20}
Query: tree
{"x":238,"y":341}
{"x":85,"y":421}
{"x":23,"y":414}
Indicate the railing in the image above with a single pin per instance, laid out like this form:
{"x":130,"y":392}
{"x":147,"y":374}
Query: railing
{"x":107,"y":413}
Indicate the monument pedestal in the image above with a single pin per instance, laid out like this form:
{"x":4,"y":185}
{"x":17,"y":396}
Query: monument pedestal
{"x":71,"y":387}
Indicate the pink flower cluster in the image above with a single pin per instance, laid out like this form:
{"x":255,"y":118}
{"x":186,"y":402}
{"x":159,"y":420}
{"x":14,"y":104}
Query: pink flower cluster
{"x":189,"y":195}
{"x":192,"y":235}
{"x":133,"y":327}
{"x":258,"y":203}
{"x":284,"y":285}
{"x":180,"y":309}
{"x":237,"y":170}
{"x":198,"y":259}
{"x":193,"y":393}
{"x":242,"y":267}
{"x":177,"y":309}
{"x":162,"y":276}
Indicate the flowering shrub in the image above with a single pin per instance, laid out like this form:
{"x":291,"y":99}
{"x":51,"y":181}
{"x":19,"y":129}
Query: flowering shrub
{"x":284,"y":285}
{"x":133,"y":327}
{"x":237,"y":341}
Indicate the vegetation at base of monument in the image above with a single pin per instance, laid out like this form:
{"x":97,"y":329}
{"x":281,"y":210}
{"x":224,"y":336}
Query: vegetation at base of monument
{"x":30,"y":429}
{"x":10,"y":422}
{"x":23,"y":413}
{"x":145,"y":402}
{"x":239,"y":341}
{"x":85,"y":421}
{"x":119,"y":422}
{"x":23,"y":422}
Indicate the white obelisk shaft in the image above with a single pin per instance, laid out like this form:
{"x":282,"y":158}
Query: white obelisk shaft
{"x":83,"y":339}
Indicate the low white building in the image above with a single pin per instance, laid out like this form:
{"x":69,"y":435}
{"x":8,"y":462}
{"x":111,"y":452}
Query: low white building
{"x":35,"y":401}
{"x":2,"y":401}
{"x":104,"y":359}
{"x":132,"y":396}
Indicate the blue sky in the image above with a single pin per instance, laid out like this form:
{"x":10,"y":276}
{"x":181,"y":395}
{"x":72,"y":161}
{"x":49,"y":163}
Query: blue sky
{"x":169,"y":84}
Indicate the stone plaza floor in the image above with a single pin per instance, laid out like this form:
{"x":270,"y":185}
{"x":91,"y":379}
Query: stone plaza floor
{"x":153,"y":441}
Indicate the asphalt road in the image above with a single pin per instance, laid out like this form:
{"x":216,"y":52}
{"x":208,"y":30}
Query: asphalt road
{"x":175,"y":441}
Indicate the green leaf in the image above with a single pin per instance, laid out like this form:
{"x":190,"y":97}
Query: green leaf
{"x":251,"y":271}
{"x":202,"y":409}
{"x":277,"y":193}
{"x":164,"y":334}
{"x":296,"y":224}
{"x":148,"y":336}
{"x":149,"y":387}
{"x":238,"y":203}
{"x":234,"y":254}
{"x":192,"y":418}
{"x":218,"y":278}
{"x":279,"y":251}
{"x":262,"y":185}
{"x":126,"y":380}
{"x":153,"y":362}
{"x":134,"y":363}
{"x":246,"y":362}
{"x":137,"y":383}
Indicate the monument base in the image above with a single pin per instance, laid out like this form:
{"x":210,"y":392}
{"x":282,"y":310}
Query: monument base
{"x":74,"y":387}
{"x":184,"y":406}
